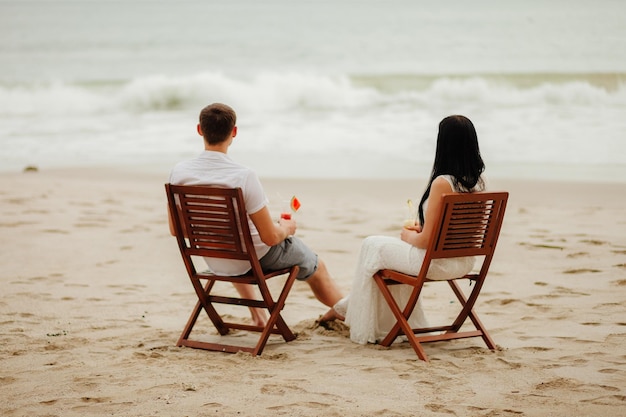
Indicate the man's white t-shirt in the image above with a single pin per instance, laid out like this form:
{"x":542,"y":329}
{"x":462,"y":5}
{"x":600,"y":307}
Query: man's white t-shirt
{"x":216,"y":168}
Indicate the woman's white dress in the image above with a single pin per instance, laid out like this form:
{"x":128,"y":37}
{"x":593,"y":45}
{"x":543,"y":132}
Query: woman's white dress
{"x":365,"y":309}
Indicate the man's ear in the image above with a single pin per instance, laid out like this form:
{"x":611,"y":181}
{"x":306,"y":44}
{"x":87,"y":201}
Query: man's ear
{"x":234,"y":131}
{"x":199,"y":129}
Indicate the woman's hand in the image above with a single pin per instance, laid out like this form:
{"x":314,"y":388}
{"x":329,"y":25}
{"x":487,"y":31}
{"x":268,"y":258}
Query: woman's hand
{"x":438,"y":188}
{"x":409,"y":234}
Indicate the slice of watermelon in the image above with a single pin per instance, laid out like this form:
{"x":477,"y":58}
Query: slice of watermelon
{"x":295,"y":203}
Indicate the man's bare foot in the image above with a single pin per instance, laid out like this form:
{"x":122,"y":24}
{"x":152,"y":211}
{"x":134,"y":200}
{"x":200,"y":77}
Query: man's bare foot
{"x":260,"y":323}
{"x":258,"y":316}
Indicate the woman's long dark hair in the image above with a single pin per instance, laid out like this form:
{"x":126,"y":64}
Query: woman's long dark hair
{"x":457,"y":155}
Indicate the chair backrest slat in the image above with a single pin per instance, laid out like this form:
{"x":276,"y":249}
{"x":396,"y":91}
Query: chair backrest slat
{"x":213,"y":221}
{"x":469,"y":224}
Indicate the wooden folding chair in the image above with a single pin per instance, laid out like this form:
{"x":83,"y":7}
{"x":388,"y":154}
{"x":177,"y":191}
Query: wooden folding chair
{"x":212,"y":222}
{"x":469,"y":225}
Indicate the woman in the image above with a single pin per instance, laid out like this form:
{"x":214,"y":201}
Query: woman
{"x":458,"y":167}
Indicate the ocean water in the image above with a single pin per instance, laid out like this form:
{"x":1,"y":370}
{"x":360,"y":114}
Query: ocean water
{"x":321,"y":88}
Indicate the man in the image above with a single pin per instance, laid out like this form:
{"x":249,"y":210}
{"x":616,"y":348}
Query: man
{"x":275,"y":243}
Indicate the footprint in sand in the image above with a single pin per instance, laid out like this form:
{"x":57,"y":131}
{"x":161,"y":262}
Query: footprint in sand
{"x":578,"y":254}
{"x":582,"y":271}
{"x":594,"y":242}
{"x":16,"y":224}
{"x":96,"y":400}
{"x":86,"y":225}
{"x":5,"y":380}
{"x":573,"y":360}
{"x":607,"y":400}
{"x":340,"y":251}
{"x":58,"y":231}
{"x":558,"y":384}
{"x":541,"y":246}
{"x":276,"y":389}
{"x":502,"y":301}
{"x":136,"y":229}
{"x":109,"y":262}
{"x":510,"y":364}
{"x":541,"y":308}
{"x":253,"y":375}
{"x":300,"y":405}
{"x":341,"y":231}
{"x":439,"y":408}
{"x":533,"y":349}
{"x":49,"y":402}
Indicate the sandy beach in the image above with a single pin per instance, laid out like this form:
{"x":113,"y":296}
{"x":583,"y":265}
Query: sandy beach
{"x":95,"y":295}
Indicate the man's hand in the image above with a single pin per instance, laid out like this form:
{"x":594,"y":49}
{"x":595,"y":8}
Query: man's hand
{"x":272,"y":233}
{"x":288,"y":225}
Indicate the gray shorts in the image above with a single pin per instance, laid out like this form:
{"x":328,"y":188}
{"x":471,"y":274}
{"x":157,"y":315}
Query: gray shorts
{"x":289,"y":252}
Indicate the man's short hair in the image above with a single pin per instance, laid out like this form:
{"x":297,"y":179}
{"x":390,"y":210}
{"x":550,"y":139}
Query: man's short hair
{"x":217,"y":121}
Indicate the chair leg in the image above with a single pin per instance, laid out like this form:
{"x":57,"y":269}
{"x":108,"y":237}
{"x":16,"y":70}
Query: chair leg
{"x":190,"y":323}
{"x":208,"y":307}
{"x":195,"y":313}
{"x":275,"y":318}
{"x":402,"y":323}
{"x":284,"y":330}
{"x":468,"y":311}
{"x":406,"y":313}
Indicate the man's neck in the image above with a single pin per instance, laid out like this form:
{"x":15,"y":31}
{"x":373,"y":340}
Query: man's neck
{"x":222,"y":147}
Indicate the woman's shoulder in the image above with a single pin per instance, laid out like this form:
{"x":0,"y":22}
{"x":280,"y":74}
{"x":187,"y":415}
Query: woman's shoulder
{"x":449,"y":179}
{"x":444,"y":179}
{"x":445,"y":183}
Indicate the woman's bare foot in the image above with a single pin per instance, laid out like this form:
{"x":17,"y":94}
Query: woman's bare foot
{"x":331,"y":315}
